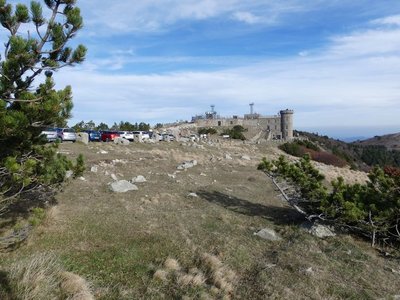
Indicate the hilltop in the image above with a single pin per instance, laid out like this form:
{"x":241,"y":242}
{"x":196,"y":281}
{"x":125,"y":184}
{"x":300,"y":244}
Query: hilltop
{"x":190,"y":233}
{"x":389,"y":141}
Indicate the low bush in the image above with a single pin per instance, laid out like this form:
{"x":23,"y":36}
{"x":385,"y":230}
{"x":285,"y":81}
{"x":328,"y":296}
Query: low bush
{"x":371,"y":209}
{"x":207,"y":130}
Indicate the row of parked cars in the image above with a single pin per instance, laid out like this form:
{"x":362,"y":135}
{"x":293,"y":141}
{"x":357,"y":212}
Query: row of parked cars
{"x":69,"y":134}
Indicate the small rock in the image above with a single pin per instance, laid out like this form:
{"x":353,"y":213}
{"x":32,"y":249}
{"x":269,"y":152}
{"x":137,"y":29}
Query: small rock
{"x":246,"y":157}
{"x":187,"y":165}
{"x":171,"y":176}
{"x":68,"y":174}
{"x":93,"y":169}
{"x":121,"y":141}
{"x":227,"y":156}
{"x":82,"y":178}
{"x":102,"y":152}
{"x":138,"y":179}
{"x":268,"y":234}
{"x":202,"y":174}
{"x":317,"y":230}
{"x":309,"y":271}
{"x":114,"y":177}
{"x":122,"y":186}
{"x":192,"y":195}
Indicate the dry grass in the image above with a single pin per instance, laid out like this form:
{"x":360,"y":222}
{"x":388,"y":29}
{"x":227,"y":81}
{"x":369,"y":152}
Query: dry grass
{"x":41,"y":277}
{"x":76,"y":287}
{"x":169,"y":246}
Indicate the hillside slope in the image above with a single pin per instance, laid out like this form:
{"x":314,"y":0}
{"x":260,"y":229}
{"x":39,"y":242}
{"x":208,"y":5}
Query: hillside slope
{"x":390,"y":141}
{"x":161,"y":242}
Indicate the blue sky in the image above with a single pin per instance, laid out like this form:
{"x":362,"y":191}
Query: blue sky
{"x":335,"y":62}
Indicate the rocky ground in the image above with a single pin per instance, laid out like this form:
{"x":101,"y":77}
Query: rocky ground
{"x":198,"y":221}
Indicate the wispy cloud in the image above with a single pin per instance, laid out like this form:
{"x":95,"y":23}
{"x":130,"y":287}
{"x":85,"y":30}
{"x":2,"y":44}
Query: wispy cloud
{"x":246,"y":17}
{"x":353,"y":81}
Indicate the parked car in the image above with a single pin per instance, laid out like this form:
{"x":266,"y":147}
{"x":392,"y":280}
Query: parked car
{"x":94,"y":136}
{"x":50,"y":133}
{"x":168,"y":137}
{"x":107,"y":136}
{"x":126,"y":135}
{"x":66,"y":134}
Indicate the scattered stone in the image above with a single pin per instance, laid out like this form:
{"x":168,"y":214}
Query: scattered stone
{"x":138,"y":179}
{"x":68,"y":174}
{"x":268,"y":234}
{"x":82,"y":137}
{"x":114,"y":177}
{"x":121,"y":141}
{"x":192,"y":195}
{"x":102,"y":152}
{"x":318,"y":230}
{"x":202,"y":174}
{"x":172,"y":176}
{"x":93,"y":169}
{"x":309,"y":271}
{"x":227,"y":156}
{"x":187,"y":165}
{"x":82,"y":178}
{"x":122,"y":186}
{"x":246,"y":157}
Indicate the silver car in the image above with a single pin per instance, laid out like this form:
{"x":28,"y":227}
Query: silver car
{"x":67,"y":134}
{"x":50,"y":133}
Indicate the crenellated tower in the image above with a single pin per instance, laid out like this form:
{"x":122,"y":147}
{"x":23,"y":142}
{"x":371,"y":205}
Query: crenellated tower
{"x":287,"y":124}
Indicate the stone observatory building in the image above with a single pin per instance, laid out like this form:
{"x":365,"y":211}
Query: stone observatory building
{"x":275,"y":127}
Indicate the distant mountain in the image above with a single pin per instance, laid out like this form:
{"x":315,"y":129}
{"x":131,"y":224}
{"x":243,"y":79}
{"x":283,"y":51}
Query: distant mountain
{"x":353,"y":139}
{"x":390,"y":141}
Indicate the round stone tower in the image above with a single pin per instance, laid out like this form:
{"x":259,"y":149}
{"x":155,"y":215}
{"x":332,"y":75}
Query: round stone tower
{"x":287,"y":124}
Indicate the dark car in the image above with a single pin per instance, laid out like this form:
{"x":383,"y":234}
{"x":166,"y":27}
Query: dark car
{"x":94,"y":136}
{"x":107,"y":136}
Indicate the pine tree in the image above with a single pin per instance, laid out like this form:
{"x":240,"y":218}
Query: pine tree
{"x":28,"y":100}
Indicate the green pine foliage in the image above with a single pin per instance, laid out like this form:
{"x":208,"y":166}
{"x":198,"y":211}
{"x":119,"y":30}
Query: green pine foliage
{"x":371,"y":209}
{"x":235,"y":133}
{"x":28,"y":98}
{"x":207,"y":130}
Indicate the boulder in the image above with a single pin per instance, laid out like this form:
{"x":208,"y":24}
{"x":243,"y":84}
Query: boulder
{"x":82,"y":137}
{"x":93,"y":169}
{"x":138,"y":179}
{"x":121,"y":141}
{"x":122,"y":186}
{"x":268,"y":234}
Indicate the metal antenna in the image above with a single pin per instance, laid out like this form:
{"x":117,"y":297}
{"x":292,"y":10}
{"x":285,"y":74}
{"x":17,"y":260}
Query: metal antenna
{"x":251,"y":108}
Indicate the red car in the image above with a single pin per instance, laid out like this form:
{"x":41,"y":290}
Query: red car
{"x":107,"y":136}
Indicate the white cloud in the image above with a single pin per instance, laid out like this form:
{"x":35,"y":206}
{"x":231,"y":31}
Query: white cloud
{"x":352,"y":82}
{"x":157,"y":15}
{"x":246,"y":17}
{"x":391,"y":20}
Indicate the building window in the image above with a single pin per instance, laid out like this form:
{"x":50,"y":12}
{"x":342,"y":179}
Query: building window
{"x":231,"y":122}
{"x":219,"y":123}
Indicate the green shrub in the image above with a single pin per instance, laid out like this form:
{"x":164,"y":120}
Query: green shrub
{"x":207,"y":130}
{"x":371,"y":209}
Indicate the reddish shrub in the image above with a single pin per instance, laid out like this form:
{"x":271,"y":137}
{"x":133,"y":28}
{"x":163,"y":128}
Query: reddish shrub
{"x":392,"y":171}
{"x":325,"y":157}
